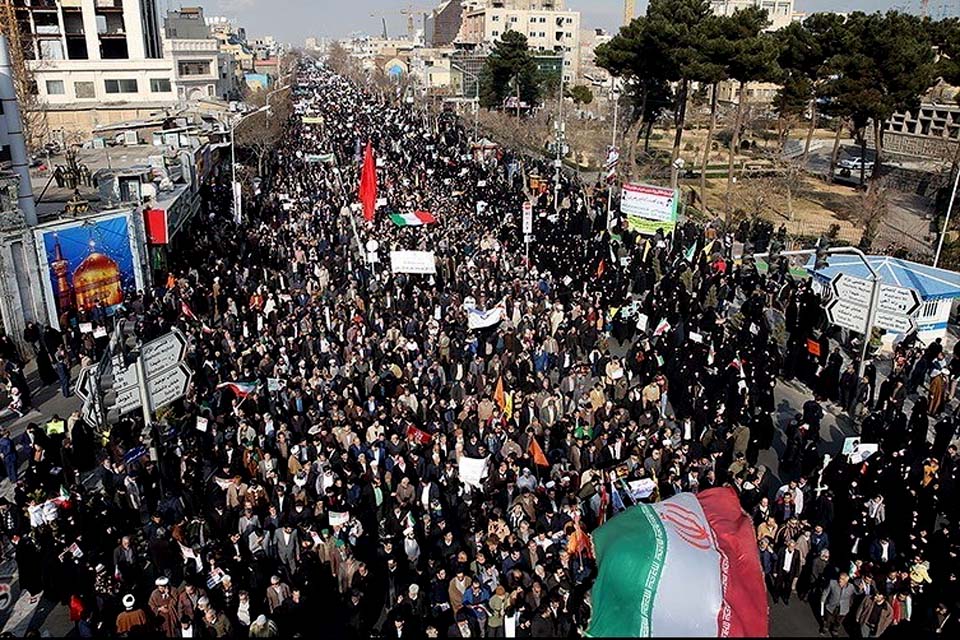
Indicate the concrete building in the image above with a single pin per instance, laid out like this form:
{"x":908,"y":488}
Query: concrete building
{"x":930,"y":131}
{"x":90,"y":51}
{"x":431,"y":68}
{"x":98,"y":62}
{"x":442,"y":25}
{"x":232,"y":41}
{"x":590,"y":73}
{"x":200,"y":69}
{"x":548,"y":26}
{"x":779,"y":12}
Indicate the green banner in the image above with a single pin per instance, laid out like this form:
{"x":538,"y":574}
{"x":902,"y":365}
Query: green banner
{"x":649,"y":227}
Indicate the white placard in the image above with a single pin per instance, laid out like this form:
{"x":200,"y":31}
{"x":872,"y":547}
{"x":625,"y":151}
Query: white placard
{"x":422,"y":262}
{"x":86,"y":327}
{"x":472,"y":471}
{"x":339,"y":518}
{"x":202,"y":424}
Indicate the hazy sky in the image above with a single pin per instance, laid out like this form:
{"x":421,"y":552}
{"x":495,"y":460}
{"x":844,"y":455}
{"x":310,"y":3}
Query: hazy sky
{"x":293,"y":20}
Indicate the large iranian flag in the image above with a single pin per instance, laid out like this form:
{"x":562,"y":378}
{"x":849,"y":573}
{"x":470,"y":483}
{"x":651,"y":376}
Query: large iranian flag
{"x":688,"y":566}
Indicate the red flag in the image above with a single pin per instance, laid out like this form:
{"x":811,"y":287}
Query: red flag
{"x":368,"y":184}
{"x":418,"y":436}
{"x":601,"y":267}
{"x":537,"y":453}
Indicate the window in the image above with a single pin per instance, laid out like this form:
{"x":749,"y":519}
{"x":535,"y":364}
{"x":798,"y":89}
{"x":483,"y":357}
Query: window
{"x":55,"y":88}
{"x":159,"y":85}
{"x":51,"y":50}
{"x":543,"y":20}
{"x":84,"y":90}
{"x":533,"y":19}
{"x":513,"y":18}
{"x":569,"y":20}
{"x":194,"y":68}
{"x":495,"y":33}
{"x":120,"y":86}
{"x":930,"y":309}
{"x":494,"y":18}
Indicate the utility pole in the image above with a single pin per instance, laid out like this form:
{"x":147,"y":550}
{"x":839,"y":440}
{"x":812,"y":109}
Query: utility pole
{"x":613,"y":146}
{"x":560,"y":142}
{"x":946,"y":220}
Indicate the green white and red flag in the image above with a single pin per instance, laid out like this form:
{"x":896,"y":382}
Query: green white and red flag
{"x":688,"y":566}
{"x":415,"y":219}
{"x":240,"y":389}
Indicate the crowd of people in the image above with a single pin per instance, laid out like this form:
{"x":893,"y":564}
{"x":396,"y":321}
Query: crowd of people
{"x":352,"y":456}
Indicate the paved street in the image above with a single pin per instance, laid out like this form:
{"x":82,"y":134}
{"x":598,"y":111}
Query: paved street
{"x":21,"y":615}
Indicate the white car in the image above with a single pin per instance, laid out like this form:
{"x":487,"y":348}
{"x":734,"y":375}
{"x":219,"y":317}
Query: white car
{"x":854,"y":164}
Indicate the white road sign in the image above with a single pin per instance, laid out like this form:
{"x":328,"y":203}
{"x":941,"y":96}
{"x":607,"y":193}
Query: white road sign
{"x":164,"y":352}
{"x":527,"y":218}
{"x":170,"y":386}
{"x":82,"y":388}
{"x":898,"y":300}
{"x":896,"y":322}
{"x":847,"y":315}
{"x":851,"y":289}
{"x":895,"y":305}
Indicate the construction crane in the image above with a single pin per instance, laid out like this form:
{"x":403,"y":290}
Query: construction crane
{"x":383,"y":19}
{"x":411,"y":12}
{"x":924,"y":7}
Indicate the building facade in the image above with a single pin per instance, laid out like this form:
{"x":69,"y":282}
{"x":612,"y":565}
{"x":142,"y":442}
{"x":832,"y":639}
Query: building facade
{"x":779,"y":12}
{"x":547,"y":25}
{"x":90,"y":51}
{"x":200,"y":69}
{"x":442,"y":25}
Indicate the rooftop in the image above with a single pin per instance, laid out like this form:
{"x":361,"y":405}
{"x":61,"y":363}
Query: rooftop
{"x":930,"y":282}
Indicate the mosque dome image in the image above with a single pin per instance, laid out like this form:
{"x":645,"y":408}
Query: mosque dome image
{"x":97,"y":279}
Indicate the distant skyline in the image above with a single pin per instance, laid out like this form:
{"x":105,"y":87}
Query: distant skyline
{"x":293,"y":21}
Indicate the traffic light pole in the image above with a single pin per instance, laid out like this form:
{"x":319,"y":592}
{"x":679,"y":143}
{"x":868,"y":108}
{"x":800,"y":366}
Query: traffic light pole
{"x":874,"y":292}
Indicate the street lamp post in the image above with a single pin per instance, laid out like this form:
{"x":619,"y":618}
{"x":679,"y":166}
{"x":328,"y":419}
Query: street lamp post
{"x":560,"y":141}
{"x":270,"y":94}
{"x":946,"y":220}
{"x":615,"y":94}
{"x":237,"y":213}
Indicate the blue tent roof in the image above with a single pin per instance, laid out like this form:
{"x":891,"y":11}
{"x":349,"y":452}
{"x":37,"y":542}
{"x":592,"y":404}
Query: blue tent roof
{"x":931,"y":283}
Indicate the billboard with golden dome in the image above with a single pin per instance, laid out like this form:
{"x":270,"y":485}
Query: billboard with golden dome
{"x":90,"y":265}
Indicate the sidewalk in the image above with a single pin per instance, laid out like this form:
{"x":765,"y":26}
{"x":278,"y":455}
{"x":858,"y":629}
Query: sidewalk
{"x":18,"y":614}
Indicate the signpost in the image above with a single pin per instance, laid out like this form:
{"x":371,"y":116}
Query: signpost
{"x":527,"y":229}
{"x":158,"y":377}
{"x":896,"y":306}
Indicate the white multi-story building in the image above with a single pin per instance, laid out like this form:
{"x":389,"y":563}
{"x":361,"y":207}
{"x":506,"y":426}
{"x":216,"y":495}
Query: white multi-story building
{"x":97,"y":62}
{"x":548,"y":26}
{"x":779,"y":12}
{"x":96,"y":51}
